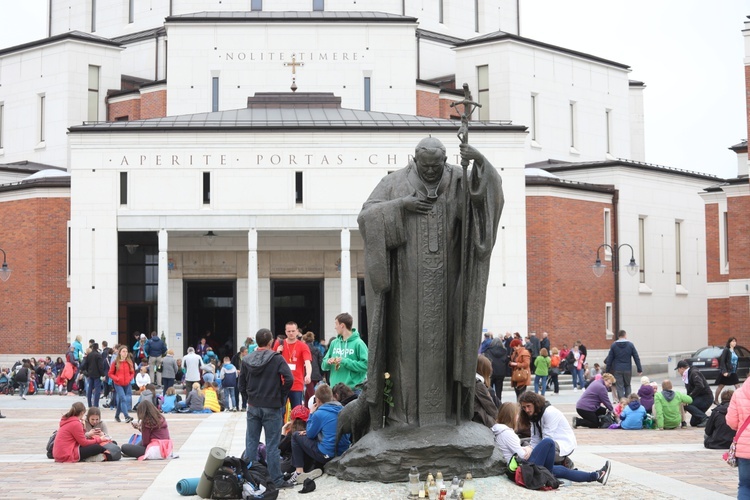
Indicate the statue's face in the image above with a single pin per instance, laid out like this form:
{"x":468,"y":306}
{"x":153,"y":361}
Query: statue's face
{"x":431,"y":165}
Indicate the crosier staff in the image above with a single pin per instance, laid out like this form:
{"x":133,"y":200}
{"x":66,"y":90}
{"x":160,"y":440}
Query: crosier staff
{"x":469,"y":106}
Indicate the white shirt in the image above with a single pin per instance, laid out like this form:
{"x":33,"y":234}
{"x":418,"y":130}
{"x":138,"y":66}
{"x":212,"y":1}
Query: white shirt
{"x":508,"y":441}
{"x":192,"y":363}
{"x":556,"y":427}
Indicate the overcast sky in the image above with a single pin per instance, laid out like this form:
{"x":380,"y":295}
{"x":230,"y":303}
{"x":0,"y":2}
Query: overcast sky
{"x":688,"y":52}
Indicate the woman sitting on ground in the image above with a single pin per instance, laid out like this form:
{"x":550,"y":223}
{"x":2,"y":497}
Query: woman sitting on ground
{"x":195,"y":399}
{"x":152,"y":425}
{"x":594,"y":402}
{"x":485,"y":401}
{"x":543,"y":454}
{"x":94,"y":425}
{"x":171,"y":398}
{"x":646,"y":394}
{"x":298,"y":422}
{"x":719,"y":435}
{"x":71,"y":443}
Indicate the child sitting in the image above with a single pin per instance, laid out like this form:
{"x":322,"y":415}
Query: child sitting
{"x":48,"y":381}
{"x":619,"y":407}
{"x":646,"y":394}
{"x":170,"y":400}
{"x":194,"y":401}
{"x":632,"y":415}
{"x":148,"y":393}
{"x":211,"y":397}
{"x":719,"y":435}
{"x":143,"y":378}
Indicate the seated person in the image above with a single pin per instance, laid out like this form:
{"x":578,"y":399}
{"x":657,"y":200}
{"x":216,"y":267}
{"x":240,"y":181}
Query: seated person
{"x":485,"y":401}
{"x":152,"y":425}
{"x":621,"y":405}
{"x":195,"y":399}
{"x":94,"y":425}
{"x":211,"y":397}
{"x":343,"y":393}
{"x":171,"y":398}
{"x":594,"y":402}
{"x":71,"y":443}
{"x":646,"y":394}
{"x":297,"y":422}
{"x":546,"y":421}
{"x":719,"y":435}
{"x":632,"y":415}
{"x":148,"y":393}
{"x":143,"y":378}
{"x":668,"y":406}
{"x":319,"y":441}
{"x":543,"y":455}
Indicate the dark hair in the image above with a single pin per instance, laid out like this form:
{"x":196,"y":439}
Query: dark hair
{"x":75,"y":410}
{"x":290,"y":323}
{"x":530,"y":397}
{"x":308,"y":337}
{"x":729,"y":341}
{"x":95,"y":346}
{"x":93,"y":410}
{"x":298,"y":425}
{"x":726,"y":396}
{"x":346,"y":320}
{"x":149,"y":415}
{"x":621,"y":334}
{"x":341,"y":391}
{"x":323,"y":394}
{"x":263,"y":337}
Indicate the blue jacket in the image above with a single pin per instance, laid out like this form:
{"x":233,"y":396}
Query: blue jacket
{"x":155,"y":347}
{"x":618,"y":359}
{"x":632,"y":416}
{"x":322,"y":427}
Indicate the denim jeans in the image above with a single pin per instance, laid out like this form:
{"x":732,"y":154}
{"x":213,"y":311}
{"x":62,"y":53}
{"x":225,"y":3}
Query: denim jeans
{"x":304,"y":446}
{"x":270,"y":421}
{"x":23,"y":388}
{"x":124,"y":400}
{"x":577,"y":378}
{"x":544,"y":456}
{"x":93,"y":388}
{"x":168,"y":382}
{"x":540,"y":384}
{"x":229,"y":399}
{"x":743,"y":468}
{"x":296,"y":398}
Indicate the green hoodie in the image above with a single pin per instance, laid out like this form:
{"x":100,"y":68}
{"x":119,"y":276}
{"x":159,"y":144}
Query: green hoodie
{"x":353,"y":353}
{"x":667,"y":408}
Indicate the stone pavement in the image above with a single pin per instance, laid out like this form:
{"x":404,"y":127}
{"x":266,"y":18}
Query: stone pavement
{"x":653,"y":464}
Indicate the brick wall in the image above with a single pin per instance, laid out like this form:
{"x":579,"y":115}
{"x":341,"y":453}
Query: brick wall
{"x":428,"y":104}
{"x":739,"y":321}
{"x":130,"y":108}
{"x":718,"y":322}
{"x":154,"y":104}
{"x":713,"y":248}
{"x":446,"y":111}
{"x":34,"y":300}
{"x":738,"y":210}
{"x":564,"y":297}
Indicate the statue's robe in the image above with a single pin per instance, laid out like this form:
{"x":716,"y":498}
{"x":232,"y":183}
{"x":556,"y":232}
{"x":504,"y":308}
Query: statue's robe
{"x":413,"y":279}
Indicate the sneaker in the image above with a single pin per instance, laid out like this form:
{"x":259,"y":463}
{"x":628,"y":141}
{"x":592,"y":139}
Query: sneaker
{"x":575,"y":424}
{"x":313,"y":474}
{"x":683,"y":424}
{"x":117,"y":419}
{"x":703,"y":422}
{"x":24,"y":397}
{"x":285,"y":484}
{"x":96,"y":458}
{"x":128,"y":420}
{"x":604,"y":473}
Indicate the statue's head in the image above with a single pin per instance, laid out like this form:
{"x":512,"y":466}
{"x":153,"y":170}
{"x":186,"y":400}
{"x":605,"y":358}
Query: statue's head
{"x":430,"y":157}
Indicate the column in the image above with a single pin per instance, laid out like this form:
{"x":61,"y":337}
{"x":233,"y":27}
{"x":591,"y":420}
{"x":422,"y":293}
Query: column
{"x":163,"y":287}
{"x":252,"y":282}
{"x":346,"y":272}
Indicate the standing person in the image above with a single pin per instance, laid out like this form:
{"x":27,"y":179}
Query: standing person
{"x":346,"y":358}
{"x":22,"y":377}
{"x":546,"y":421}
{"x":169,"y":370}
{"x":71,"y":443}
{"x":520,"y":361}
{"x":155,"y":350}
{"x":202,"y":348}
{"x":541,"y":371}
{"x":738,"y":416}
{"x":228,"y":377}
{"x":93,"y":366}
{"x":498,"y":356}
{"x":266,"y":379}
{"x":317,"y":363}
{"x":485,"y":342}
{"x":534,"y":345}
{"x":152,"y":425}
{"x":139,"y":349}
{"x":697,"y":388}
{"x":192,"y":363}
{"x":618,"y":363}
{"x":122,"y":371}
{"x":544,"y":343}
{"x":297,"y":356}
{"x":727,"y":368}
{"x":239,"y":396}
{"x":594,"y":402}
{"x":554,"y":369}
{"x":574,"y":360}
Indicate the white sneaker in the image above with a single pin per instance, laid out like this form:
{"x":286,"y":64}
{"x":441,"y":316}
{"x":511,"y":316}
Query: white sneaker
{"x":313,"y":474}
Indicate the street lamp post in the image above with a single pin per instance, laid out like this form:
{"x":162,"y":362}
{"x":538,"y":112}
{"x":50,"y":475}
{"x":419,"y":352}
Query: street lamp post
{"x":598,"y":269}
{"x":4,"y":270}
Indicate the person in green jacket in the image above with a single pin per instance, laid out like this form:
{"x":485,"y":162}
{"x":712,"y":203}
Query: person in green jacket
{"x":346,"y":358}
{"x":668,"y":406}
{"x":542,"y":365}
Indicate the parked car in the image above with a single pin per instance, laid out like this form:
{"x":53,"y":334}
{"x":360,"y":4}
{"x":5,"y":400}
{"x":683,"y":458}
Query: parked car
{"x":706,"y":360}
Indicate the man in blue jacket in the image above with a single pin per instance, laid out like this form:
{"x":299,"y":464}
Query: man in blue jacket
{"x":618,"y":363}
{"x":155,"y":350}
{"x":319,"y":440}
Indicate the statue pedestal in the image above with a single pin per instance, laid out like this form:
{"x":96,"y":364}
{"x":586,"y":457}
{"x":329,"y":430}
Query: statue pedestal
{"x":387,"y":454}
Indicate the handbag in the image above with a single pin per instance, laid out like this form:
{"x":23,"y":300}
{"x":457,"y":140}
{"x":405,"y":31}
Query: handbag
{"x":730,"y":457}
{"x":520,"y":375}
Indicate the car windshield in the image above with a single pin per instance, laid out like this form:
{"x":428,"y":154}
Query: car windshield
{"x":708,"y":352}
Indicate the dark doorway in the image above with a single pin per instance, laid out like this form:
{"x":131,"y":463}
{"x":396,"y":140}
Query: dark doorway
{"x":138,"y":283}
{"x":362,"y":313}
{"x":300,"y":301}
{"x":210,"y":306}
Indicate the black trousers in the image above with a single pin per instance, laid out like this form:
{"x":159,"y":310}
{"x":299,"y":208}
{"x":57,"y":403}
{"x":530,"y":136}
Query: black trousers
{"x":588,"y":418}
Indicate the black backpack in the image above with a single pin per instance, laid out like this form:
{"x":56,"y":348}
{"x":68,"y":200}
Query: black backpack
{"x":606,"y":420}
{"x":254,"y":473}
{"x":51,"y":444}
{"x":226,"y":484}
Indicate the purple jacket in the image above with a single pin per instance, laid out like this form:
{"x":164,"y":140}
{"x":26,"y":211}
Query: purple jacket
{"x":646,"y":393}
{"x":595,"y":395}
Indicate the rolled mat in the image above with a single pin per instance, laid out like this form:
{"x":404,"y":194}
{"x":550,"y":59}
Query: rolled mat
{"x":215,"y":459}
{"x":187,"y":487}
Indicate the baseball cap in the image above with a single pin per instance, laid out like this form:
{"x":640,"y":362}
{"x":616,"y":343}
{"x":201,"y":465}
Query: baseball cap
{"x":308,"y":486}
{"x":682,"y":364}
{"x":301,"y":412}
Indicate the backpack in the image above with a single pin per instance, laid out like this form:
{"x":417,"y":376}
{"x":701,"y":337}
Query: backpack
{"x":253,"y":475}
{"x":606,"y":420}
{"x":529,"y":475}
{"x":226,"y":483}
{"x":51,"y":444}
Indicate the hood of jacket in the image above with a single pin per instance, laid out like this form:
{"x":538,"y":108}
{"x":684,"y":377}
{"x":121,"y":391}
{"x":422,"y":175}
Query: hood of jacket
{"x":496,"y":349}
{"x":622,"y":344}
{"x":633,"y":405}
{"x":333,"y":407}
{"x":259,"y":359}
{"x":668,"y":394}
{"x":352,"y":337}
{"x":65,"y":421}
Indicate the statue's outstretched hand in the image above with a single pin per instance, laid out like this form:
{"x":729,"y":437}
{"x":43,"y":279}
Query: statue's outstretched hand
{"x":414,"y":203}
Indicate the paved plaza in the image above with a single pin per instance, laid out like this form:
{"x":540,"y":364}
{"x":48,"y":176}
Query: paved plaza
{"x":646,"y":464}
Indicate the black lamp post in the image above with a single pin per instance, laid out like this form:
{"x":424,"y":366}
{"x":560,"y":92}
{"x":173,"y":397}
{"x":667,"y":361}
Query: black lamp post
{"x":598,"y":269}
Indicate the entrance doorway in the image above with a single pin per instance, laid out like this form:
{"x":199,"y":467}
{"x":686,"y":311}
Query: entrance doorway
{"x":300,"y":301}
{"x":211,"y":312}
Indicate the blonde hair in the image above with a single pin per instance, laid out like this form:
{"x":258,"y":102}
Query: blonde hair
{"x":507,"y":414}
{"x":171,"y":391}
{"x":645,"y":380}
{"x":196,"y":386}
{"x":170,"y":352}
{"x":609,"y":378}
{"x":555,"y":351}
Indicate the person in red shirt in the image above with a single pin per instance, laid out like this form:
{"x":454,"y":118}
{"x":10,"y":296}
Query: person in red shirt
{"x":297,"y":356}
{"x":122,"y":371}
{"x":71,"y":443}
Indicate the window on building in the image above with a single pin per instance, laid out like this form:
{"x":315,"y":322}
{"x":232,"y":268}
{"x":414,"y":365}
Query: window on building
{"x":572,"y":124}
{"x":608,"y":317}
{"x":123,"y":188}
{"x":93,"y":109}
{"x":42,"y":103}
{"x":642,"y":248}
{"x":298,"y":187}
{"x":608,"y":129}
{"x":368,"y":93}
{"x":533,"y":128}
{"x":206,"y":188}
{"x":441,"y":11}
{"x":2,"y":123}
{"x":131,"y":11}
{"x":215,"y":93}
{"x":726,"y":239}
{"x":678,"y":252}
{"x":319,"y":5}
{"x":93,"y":16}
{"x":256,"y":4}
{"x":483,"y":92}
{"x":607,"y":233}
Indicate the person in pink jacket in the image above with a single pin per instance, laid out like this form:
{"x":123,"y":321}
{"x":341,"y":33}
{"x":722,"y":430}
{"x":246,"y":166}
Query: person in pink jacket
{"x":737,"y":415}
{"x":71,"y":443}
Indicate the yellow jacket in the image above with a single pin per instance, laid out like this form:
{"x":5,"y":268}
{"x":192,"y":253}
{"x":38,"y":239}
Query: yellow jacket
{"x":211,"y":400}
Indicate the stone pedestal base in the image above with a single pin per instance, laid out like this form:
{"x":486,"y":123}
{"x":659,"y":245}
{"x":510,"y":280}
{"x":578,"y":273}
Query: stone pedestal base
{"x":387,"y":454}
